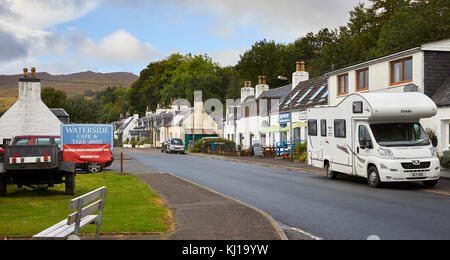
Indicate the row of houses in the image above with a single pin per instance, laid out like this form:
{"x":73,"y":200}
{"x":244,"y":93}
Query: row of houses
{"x":264,"y":115}
{"x":178,"y":121}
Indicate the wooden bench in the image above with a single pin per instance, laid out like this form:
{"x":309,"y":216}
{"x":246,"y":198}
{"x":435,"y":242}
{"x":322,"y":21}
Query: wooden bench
{"x":79,"y":219}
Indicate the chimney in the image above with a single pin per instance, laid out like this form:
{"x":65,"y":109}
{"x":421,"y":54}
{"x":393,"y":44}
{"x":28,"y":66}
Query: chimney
{"x":247,"y":90}
{"x":261,"y":87}
{"x":300,"y":74}
{"x":25,"y":72}
{"x":33,"y":72}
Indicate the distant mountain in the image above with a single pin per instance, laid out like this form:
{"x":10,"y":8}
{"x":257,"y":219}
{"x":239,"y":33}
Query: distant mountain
{"x":72,"y":84}
{"x":76,"y":83}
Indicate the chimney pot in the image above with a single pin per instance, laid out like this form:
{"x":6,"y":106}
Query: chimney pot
{"x":302,"y":63}
{"x":33,"y":72}
{"x":25,"y":72}
{"x":264,"y":80}
{"x":298,"y":66}
{"x":260,"y":80}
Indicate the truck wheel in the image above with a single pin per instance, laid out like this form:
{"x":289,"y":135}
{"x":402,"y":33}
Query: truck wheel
{"x":332,"y":175}
{"x":3,"y":186}
{"x":94,"y":167}
{"x":430,"y":184}
{"x":373,"y":178}
{"x":70,"y":184}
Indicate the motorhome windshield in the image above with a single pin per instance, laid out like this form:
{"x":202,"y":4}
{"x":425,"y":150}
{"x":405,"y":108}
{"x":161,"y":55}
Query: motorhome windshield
{"x":400,"y":134}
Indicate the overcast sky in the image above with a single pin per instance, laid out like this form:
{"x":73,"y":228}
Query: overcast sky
{"x":67,"y":36}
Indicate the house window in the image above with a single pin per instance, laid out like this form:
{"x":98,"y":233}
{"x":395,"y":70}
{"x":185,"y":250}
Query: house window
{"x":362,"y":79}
{"x":401,"y":71}
{"x":343,"y":84}
{"x":340,"y":129}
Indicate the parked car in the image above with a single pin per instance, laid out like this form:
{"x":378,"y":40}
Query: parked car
{"x":173,"y":145}
{"x":52,"y":140}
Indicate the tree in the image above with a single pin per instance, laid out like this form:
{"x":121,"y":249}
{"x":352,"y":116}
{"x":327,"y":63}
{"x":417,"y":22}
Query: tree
{"x":146,"y":91}
{"x":263,"y":59}
{"x":53,"y":98}
{"x":420,"y":22}
{"x":195,"y":73}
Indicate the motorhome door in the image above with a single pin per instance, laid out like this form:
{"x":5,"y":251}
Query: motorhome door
{"x":362,"y":148}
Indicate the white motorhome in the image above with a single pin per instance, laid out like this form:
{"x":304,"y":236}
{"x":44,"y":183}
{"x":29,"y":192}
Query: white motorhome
{"x":377,"y":136}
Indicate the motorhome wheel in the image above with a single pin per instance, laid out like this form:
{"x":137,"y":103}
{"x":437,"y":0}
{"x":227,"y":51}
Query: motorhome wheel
{"x":374,"y":177}
{"x":330,"y":174}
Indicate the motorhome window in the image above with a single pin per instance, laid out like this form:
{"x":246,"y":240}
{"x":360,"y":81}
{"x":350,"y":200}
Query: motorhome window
{"x":364,"y":135}
{"x":323,"y":127}
{"x":340,"y":129}
{"x":358,"y":107}
{"x":400,"y":134}
{"x":312,"y":127}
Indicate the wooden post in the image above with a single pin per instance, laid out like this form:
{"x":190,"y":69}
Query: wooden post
{"x":121,"y":162}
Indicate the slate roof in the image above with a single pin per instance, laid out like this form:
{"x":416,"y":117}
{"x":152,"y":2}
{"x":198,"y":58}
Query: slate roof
{"x":315,"y":89}
{"x":59,"y":112}
{"x":280,"y":93}
{"x":442,"y":95}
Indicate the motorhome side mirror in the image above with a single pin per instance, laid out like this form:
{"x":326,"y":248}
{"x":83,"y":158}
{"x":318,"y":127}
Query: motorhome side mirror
{"x":434,"y":141}
{"x":366,"y":144}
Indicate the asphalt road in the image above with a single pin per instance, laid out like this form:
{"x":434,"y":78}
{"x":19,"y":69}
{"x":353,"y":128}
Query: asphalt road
{"x":330,"y":209}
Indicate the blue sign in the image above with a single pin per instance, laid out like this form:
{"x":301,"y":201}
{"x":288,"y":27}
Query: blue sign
{"x":87,"y":134}
{"x":285,"y":118}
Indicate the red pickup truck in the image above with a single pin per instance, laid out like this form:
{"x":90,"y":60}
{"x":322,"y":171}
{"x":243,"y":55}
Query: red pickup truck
{"x":55,"y":140}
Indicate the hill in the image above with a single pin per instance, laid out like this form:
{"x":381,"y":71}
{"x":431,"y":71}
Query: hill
{"x":72,"y":84}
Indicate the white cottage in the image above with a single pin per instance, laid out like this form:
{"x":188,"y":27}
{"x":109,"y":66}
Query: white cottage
{"x":29,"y":115}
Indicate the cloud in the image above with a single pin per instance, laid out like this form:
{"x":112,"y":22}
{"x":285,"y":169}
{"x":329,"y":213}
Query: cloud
{"x":277,"y":20}
{"x":119,"y":47}
{"x":27,"y":36}
{"x":41,"y":14}
{"x":227,"y":57}
{"x":11,"y":48}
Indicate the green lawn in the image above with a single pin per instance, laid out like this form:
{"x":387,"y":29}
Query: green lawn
{"x":130,"y":206}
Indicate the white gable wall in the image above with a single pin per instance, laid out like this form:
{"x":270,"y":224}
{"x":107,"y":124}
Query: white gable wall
{"x":29,"y":115}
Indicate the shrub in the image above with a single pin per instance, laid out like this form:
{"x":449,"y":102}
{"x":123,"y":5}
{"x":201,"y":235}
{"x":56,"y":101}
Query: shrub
{"x":445,"y":159}
{"x":203,"y":145}
{"x":300,"y":155}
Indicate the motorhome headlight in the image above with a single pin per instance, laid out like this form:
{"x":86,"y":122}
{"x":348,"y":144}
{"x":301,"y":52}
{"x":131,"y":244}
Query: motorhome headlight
{"x":386,"y":153}
{"x":433,"y":151}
